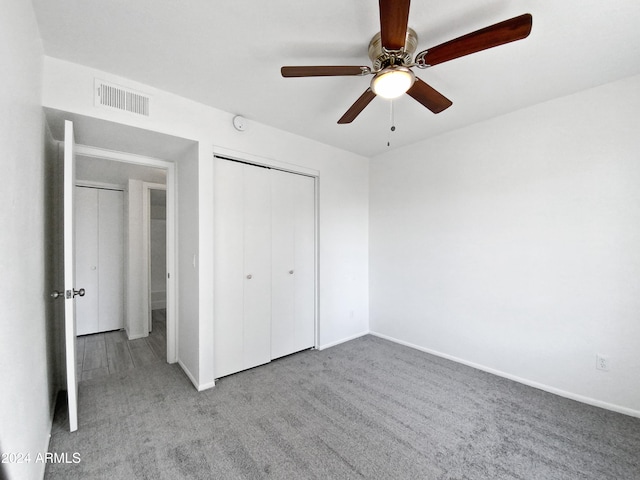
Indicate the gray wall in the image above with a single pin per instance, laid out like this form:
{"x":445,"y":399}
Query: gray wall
{"x":27,"y":365}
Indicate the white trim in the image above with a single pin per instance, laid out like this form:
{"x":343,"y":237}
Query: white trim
{"x":188,"y":373}
{"x":102,"y":185}
{"x":136,"y":337}
{"x":52,"y":412}
{"x":515,"y":378}
{"x":96,"y":152}
{"x":206,"y":386}
{"x":264,"y":161}
{"x":343,"y":340}
{"x":200,"y":388}
{"x":316,"y":259}
{"x":172,"y":242}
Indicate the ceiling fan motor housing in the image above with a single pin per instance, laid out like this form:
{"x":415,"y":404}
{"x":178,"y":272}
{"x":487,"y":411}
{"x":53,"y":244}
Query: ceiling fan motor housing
{"x":381,"y":57}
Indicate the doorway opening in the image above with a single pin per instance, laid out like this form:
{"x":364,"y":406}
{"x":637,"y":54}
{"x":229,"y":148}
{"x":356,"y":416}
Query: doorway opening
{"x":81,"y":135}
{"x":119,"y":308}
{"x":155,"y":224}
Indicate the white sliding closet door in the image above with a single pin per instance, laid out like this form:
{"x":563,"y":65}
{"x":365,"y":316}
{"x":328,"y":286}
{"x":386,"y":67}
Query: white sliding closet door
{"x":242,"y":309}
{"x":229,"y":267}
{"x":264,"y":265}
{"x":111,"y":259}
{"x":257,"y":266}
{"x":293,"y":263}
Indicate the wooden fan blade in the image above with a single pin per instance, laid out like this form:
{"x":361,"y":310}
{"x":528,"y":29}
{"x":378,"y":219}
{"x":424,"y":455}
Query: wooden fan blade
{"x":510,"y":30}
{"x":429,"y":97}
{"x":324,"y":71}
{"x":357,"y":107}
{"x":394,"y":17}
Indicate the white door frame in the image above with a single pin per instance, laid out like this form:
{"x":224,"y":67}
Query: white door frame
{"x":146,"y":240}
{"x":172,"y":212}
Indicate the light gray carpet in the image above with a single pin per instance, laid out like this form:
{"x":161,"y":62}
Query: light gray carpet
{"x":364,"y":409}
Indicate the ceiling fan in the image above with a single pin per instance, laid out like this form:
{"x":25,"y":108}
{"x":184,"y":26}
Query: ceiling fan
{"x":391,"y":51}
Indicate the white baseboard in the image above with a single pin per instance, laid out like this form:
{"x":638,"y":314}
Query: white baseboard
{"x":556,"y":391}
{"x":206,"y":386}
{"x":52,"y":411}
{"x":135,"y":337}
{"x":343,"y":340}
{"x":200,"y":388}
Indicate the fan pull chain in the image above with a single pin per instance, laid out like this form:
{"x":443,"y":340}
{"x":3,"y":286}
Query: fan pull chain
{"x":393,"y":126}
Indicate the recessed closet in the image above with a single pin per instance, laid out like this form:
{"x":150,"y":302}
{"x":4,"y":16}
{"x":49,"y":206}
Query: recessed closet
{"x":264,"y":265}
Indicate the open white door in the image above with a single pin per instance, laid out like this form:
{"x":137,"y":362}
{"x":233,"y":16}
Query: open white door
{"x":69,"y":274}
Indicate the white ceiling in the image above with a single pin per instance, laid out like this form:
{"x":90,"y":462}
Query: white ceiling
{"x":228,"y":54}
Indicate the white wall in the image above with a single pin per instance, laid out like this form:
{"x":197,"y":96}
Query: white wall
{"x":28,"y":379}
{"x":136,"y":294}
{"x":188,"y":273}
{"x":344,"y":185}
{"x":514,"y":244}
{"x":136,"y":322}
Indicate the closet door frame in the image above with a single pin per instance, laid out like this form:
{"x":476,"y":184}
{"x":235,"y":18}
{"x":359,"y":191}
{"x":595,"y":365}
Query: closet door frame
{"x":259,"y":161}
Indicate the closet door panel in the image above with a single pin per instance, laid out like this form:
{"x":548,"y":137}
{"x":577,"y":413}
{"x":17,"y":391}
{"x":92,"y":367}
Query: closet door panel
{"x":110,"y":260}
{"x":283,"y":263}
{"x":257,"y":266}
{"x":304,"y":259}
{"x":229,"y":267}
{"x":87,"y":259}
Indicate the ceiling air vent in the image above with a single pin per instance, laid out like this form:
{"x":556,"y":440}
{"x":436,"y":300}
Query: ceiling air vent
{"x":115,"y":97}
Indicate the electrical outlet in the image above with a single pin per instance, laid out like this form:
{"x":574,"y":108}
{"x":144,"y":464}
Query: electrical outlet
{"x":602,"y":362}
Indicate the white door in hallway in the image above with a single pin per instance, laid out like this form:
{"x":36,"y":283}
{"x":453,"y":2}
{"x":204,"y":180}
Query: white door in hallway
{"x":100,"y":259}
{"x":87,"y":258}
{"x":70,"y":291}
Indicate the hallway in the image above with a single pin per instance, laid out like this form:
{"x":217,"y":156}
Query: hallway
{"x":107,"y":353}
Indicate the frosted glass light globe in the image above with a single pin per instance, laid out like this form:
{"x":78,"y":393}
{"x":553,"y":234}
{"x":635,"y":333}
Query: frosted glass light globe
{"x":393,"y":81}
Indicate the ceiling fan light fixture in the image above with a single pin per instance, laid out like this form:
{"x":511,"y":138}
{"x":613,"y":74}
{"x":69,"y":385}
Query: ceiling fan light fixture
{"x":392,"y":81}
